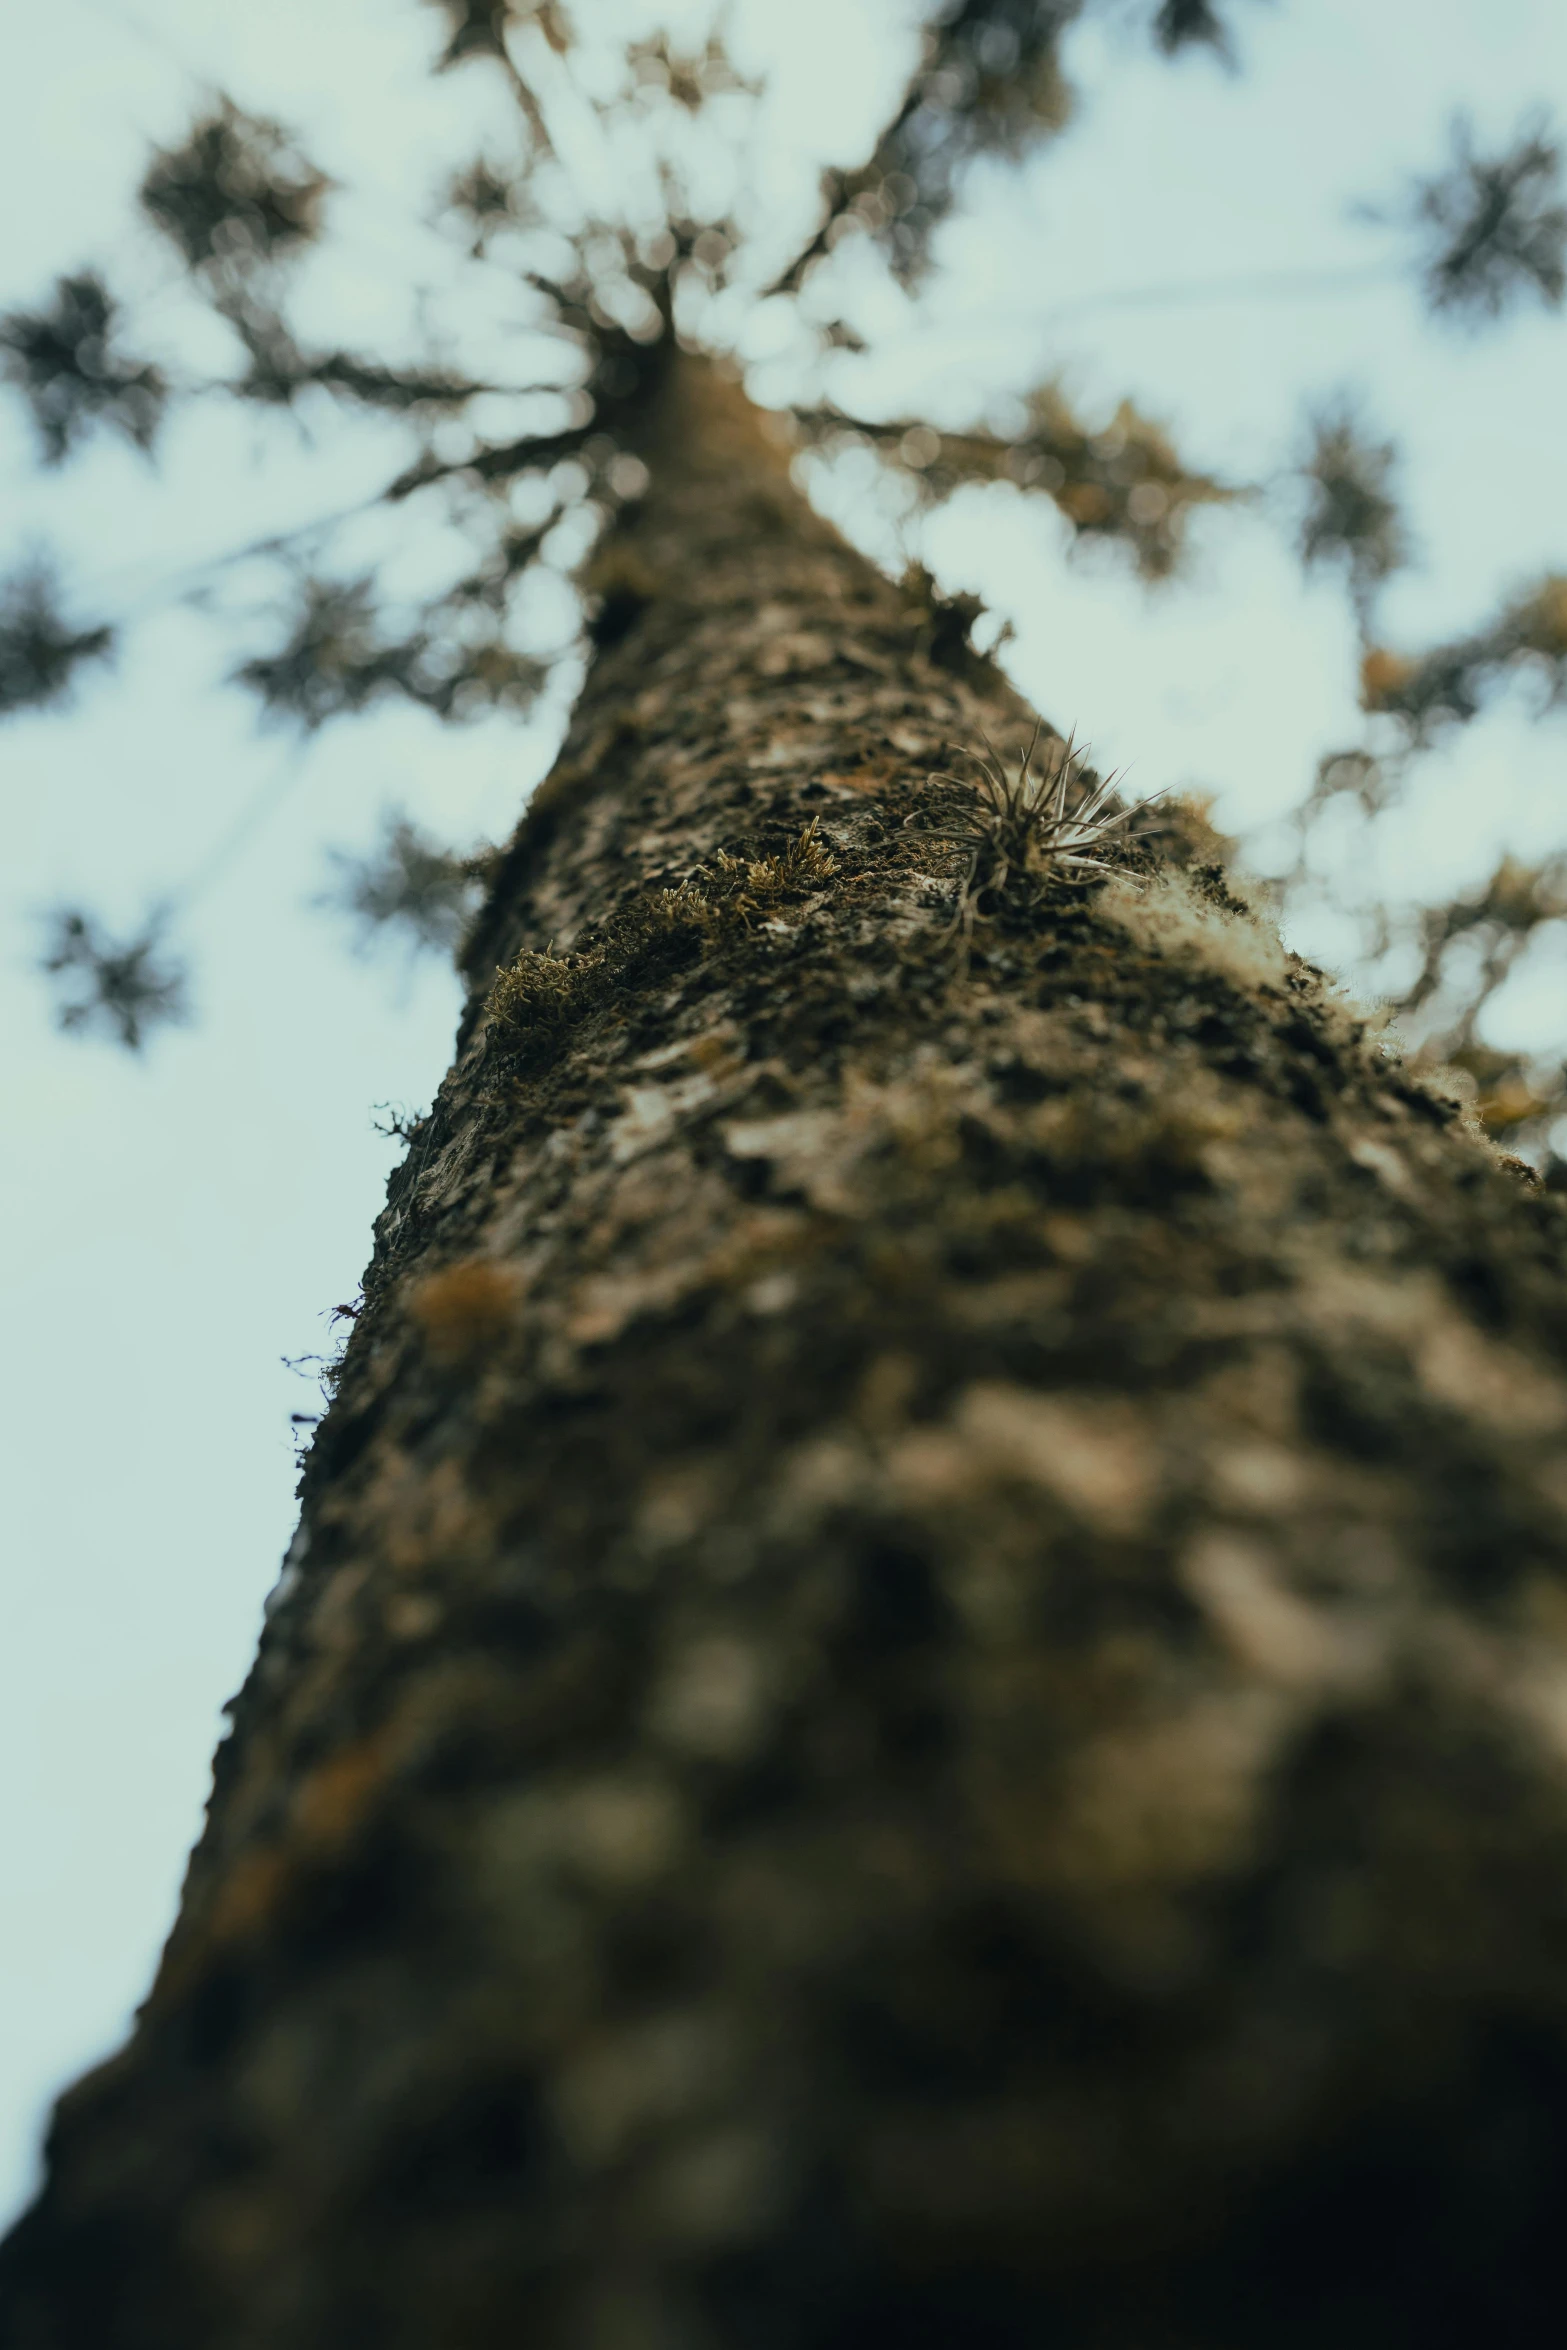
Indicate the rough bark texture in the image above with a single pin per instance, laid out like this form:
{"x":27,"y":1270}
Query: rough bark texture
{"x":923,"y":1695}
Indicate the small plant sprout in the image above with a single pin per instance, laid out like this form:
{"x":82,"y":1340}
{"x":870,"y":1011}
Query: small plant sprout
{"x":1049,"y":822}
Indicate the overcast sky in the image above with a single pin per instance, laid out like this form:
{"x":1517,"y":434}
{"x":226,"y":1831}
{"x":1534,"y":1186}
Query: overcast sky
{"x":179,"y":1225}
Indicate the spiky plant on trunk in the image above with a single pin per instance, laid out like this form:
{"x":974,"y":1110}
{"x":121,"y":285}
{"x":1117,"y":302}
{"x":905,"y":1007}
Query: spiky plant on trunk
{"x":920,"y":1697}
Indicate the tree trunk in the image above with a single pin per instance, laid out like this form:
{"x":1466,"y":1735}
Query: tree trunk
{"x":922,"y":1697}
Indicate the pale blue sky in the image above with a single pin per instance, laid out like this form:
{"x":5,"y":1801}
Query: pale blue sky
{"x":178,"y":1225}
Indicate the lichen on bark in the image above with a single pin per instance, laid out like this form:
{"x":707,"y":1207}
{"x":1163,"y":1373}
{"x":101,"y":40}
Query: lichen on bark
{"x":923,"y":1692}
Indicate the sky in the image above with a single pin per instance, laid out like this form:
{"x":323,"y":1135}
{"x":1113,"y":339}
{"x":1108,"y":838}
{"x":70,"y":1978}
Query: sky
{"x":180,"y":1226}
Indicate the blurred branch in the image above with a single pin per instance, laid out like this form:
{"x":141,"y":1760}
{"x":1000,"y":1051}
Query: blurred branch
{"x":989,"y":81}
{"x":1452,"y":683}
{"x":1122,"y":482}
{"x":479,"y":28}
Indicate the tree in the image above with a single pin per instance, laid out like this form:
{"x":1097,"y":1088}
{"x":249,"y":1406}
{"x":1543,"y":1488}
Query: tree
{"x":919,"y":1693}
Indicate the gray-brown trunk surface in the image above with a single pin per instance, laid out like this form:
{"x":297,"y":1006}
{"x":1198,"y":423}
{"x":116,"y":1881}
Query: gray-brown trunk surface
{"x":923,"y":1695}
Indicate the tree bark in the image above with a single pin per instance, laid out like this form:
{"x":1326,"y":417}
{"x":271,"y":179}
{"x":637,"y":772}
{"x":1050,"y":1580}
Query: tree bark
{"x":922,"y":1697}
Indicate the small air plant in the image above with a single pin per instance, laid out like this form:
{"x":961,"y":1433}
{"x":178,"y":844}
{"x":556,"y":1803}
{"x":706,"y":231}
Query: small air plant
{"x":1020,"y":831}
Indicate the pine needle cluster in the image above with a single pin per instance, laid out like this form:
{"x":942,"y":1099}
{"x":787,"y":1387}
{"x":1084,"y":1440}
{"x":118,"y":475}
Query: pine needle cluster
{"x":1352,"y":520}
{"x":40,"y":652}
{"x":1493,"y":226}
{"x":126,"y":988}
{"x":235,"y":192}
{"x":409,"y":885}
{"x":65,"y":361}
